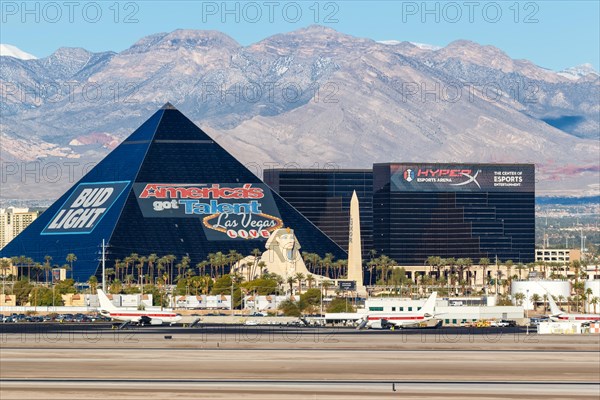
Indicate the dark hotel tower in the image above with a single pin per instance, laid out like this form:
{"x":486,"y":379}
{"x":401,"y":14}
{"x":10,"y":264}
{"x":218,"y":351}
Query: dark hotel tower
{"x":454,"y":210}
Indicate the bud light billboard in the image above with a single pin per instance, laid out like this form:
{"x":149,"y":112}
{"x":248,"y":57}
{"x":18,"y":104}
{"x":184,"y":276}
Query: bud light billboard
{"x":462,"y":177}
{"x":85,"y":208}
{"x":227,"y":210}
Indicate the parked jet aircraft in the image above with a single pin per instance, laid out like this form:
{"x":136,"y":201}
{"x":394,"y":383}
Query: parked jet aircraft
{"x":556,"y":314}
{"x":385,"y":320}
{"x":150,"y":317}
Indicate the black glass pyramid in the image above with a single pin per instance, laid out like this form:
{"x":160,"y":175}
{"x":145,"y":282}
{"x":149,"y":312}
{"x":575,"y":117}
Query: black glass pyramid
{"x":167,"y":189}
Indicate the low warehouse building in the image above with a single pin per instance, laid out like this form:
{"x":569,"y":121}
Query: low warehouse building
{"x":449,"y":314}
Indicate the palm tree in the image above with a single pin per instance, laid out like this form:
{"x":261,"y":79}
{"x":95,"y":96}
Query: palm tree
{"x":71,"y":258}
{"x":460,"y":266}
{"x":179,"y":275}
{"x":468,"y":263}
{"x":372,"y":253}
{"x":29,"y":263}
{"x":578,"y":287}
{"x":326,"y":285}
{"x":299,"y":278}
{"x":484,"y":263}
{"x":382,"y":270}
{"x":37,"y":269}
{"x":309,"y":260}
{"x":432,"y":262}
{"x":310,"y":279}
{"x":561,"y":299}
{"x":371,"y":265}
{"x":588,"y":292}
{"x":5,"y":265}
{"x":152,"y":259}
{"x":519,"y":297}
{"x":344,"y":266}
{"x":15,"y":262}
{"x":201,"y":266}
{"x":93,"y":282}
{"x":117,"y":268}
{"x":450,"y":264}
{"x":384,"y":264}
{"x":509,"y":264}
{"x":47,"y":266}
{"x":196,"y":283}
{"x":327,"y":261}
{"x":206,"y":281}
{"x":219,"y":260}
{"x":520,"y":267}
{"x":576,"y":265}
{"x":569,"y":301}
{"x":232,"y":258}
{"x":280,"y":282}
{"x":170,"y":259}
{"x":18,"y":262}
{"x":581,"y":298}
{"x":594,"y":302}
{"x":535,"y":299}
{"x":212,"y":263}
{"x":290,"y":281}
{"x":261,"y":266}
{"x":317,"y":261}
{"x":110,"y":272}
{"x":127,"y":260}
{"x":141,"y":261}
{"x":161,"y":265}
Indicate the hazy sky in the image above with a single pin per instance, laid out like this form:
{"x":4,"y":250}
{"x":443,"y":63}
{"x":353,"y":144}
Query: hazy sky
{"x":553,"y":34}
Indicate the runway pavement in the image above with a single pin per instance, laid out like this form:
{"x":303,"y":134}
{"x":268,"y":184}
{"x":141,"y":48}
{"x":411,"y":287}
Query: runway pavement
{"x":94,"y":328}
{"x":75,"y":362}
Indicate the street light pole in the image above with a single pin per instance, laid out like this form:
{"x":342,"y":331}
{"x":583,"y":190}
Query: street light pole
{"x":321,"y":300}
{"x":527,"y":311}
{"x":231,"y":302}
{"x":103,"y":267}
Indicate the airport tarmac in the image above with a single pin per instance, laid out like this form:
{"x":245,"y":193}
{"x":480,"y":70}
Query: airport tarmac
{"x":69,"y":362}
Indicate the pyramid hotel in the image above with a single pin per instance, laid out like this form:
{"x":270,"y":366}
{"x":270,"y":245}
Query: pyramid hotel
{"x":169,"y":188}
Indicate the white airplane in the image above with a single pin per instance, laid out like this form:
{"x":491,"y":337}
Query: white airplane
{"x":557,"y":315}
{"x":150,"y":317}
{"x":383,"y":320}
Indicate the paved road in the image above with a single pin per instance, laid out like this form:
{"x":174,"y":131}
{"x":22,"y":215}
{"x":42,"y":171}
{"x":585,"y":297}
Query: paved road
{"x":92,"y":361}
{"x":11,"y":328}
{"x":297,"y":390}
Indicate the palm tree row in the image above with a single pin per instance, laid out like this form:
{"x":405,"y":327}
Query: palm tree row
{"x":34,"y":268}
{"x":325,"y":266}
{"x":168,"y":268}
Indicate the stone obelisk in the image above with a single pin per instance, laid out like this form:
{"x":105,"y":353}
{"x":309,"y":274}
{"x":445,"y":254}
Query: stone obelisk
{"x":355,"y":271}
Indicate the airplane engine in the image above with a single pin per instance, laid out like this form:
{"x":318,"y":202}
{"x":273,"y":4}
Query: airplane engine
{"x":155,"y":321}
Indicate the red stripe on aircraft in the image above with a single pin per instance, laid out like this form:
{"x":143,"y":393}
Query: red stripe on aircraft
{"x":141,"y":315}
{"x":395,"y":318}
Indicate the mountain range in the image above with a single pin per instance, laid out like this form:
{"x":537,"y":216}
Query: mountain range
{"x":313,"y":97}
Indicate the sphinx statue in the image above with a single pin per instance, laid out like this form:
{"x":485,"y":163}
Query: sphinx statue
{"x":282,"y":257}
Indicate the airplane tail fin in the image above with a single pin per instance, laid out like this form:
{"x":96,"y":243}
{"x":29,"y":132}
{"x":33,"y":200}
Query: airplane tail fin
{"x":429,"y":306}
{"x":554,"y":309}
{"x":105,"y":303}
